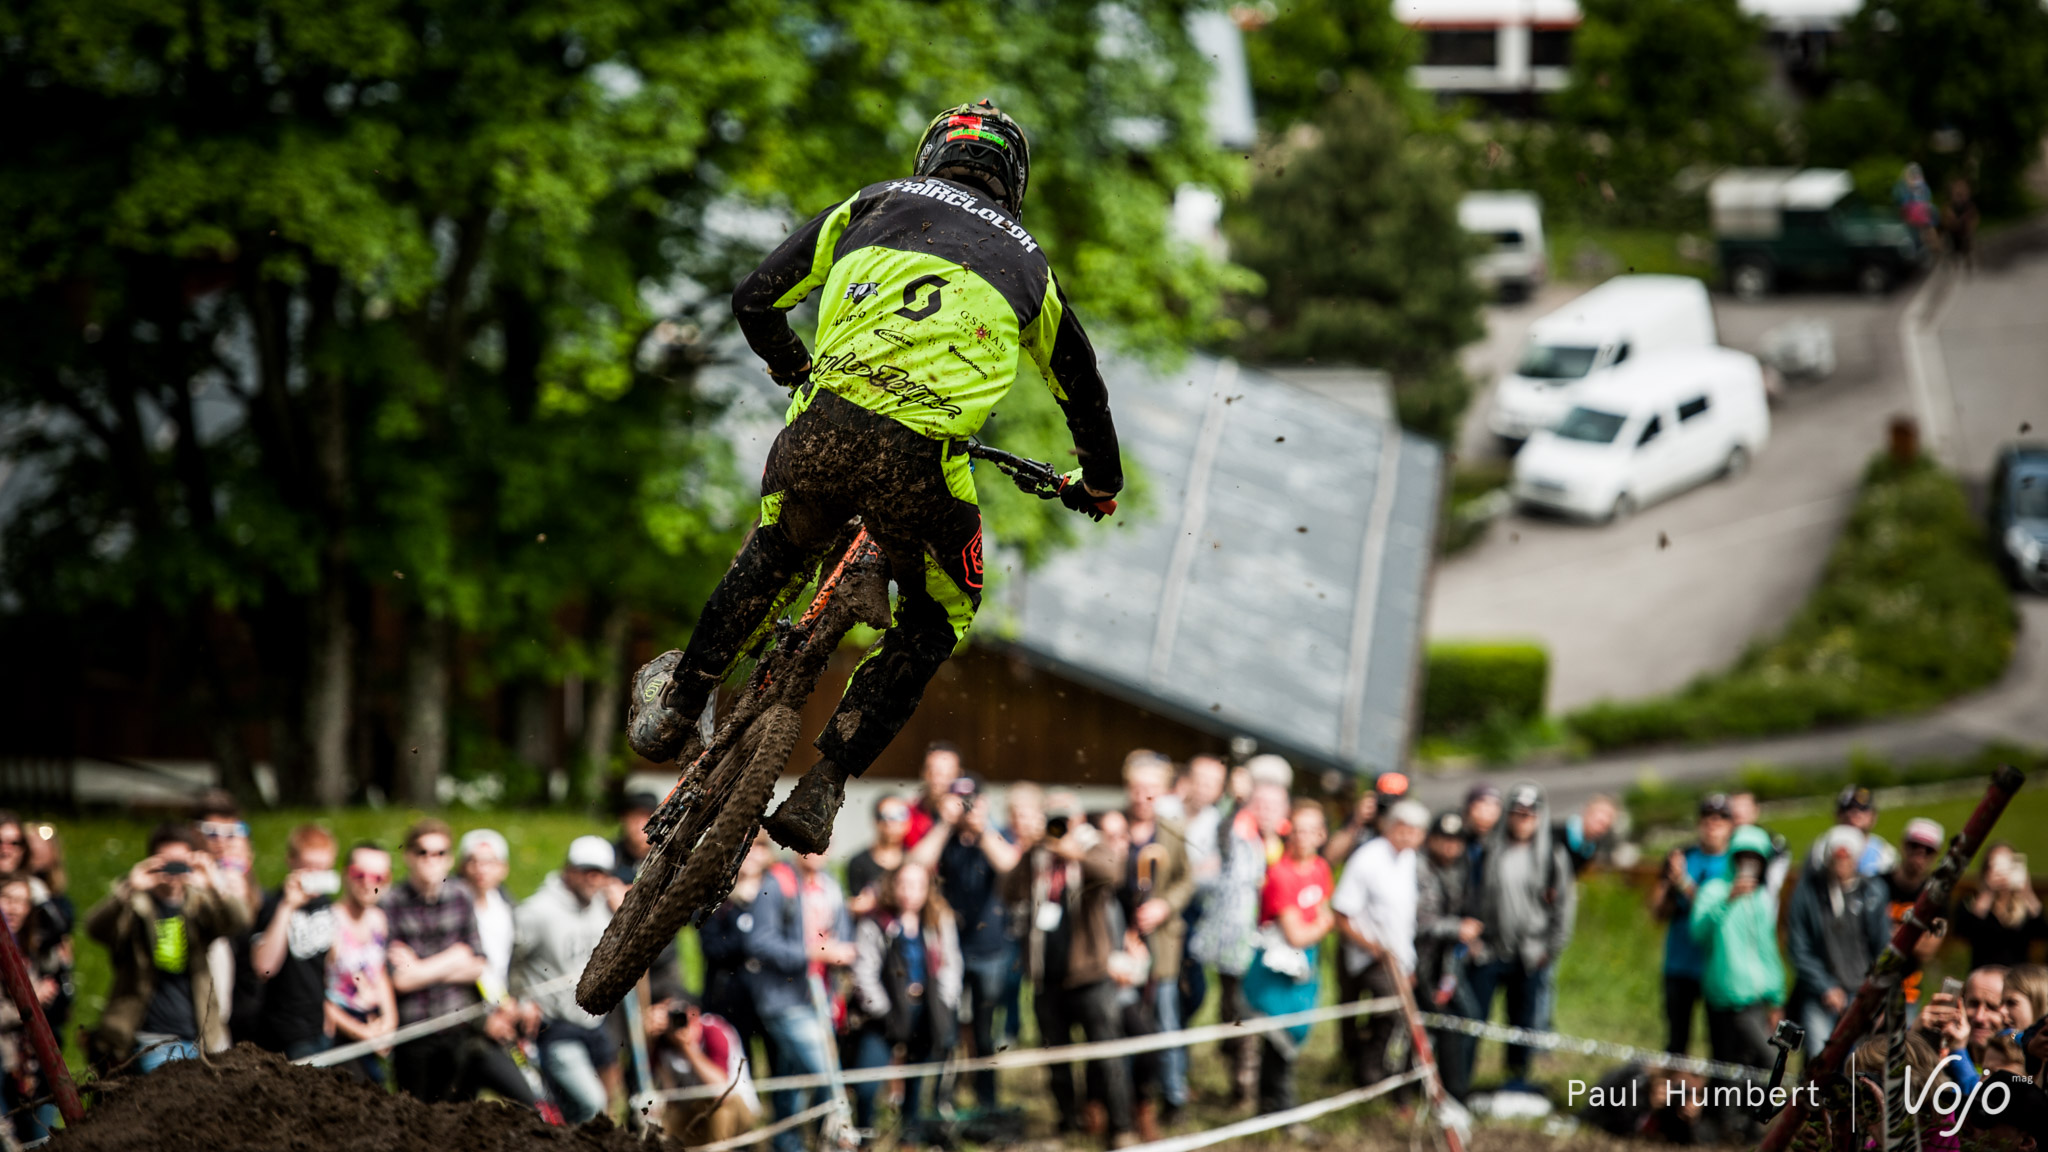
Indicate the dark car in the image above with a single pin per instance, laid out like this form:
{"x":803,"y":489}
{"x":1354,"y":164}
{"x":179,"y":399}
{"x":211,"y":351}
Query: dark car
{"x":1776,"y":226}
{"x":2018,"y":509}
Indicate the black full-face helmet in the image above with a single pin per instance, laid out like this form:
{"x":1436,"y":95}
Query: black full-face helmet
{"x":982,"y":140}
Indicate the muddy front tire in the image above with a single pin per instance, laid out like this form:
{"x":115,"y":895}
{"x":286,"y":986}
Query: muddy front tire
{"x":677,"y":882}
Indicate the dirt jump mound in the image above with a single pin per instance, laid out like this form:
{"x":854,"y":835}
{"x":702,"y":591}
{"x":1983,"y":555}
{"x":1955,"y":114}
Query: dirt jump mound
{"x":249,"y":1099}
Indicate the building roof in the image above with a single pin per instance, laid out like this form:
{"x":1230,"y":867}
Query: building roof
{"x":1230,"y":600}
{"x":1784,"y":15}
{"x":1233,"y":601}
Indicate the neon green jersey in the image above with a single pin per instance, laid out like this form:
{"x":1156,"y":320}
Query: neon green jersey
{"x":931,"y":298}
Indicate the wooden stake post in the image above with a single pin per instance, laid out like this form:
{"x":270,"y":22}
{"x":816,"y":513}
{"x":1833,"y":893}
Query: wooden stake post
{"x":21,"y":989}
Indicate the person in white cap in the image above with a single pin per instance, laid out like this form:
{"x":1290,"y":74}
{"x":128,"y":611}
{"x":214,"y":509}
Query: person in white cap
{"x":558,"y":927}
{"x":1376,"y":908}
{"x":1919,"y":848}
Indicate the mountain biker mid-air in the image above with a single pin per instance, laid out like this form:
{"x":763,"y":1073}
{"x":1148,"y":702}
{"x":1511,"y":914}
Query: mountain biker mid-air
{"x":932,"y":294}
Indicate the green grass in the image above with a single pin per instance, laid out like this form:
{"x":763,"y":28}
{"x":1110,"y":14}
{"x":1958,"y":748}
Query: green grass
{"x":101,"y":849}
{"x":1910,"y":612}
{"x":1580,"y":253}
{"x":2024,"y":825}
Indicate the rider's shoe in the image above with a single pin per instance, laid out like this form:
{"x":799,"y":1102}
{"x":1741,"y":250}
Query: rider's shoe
{"x":662,"y":715}
{"x":804,"y":821}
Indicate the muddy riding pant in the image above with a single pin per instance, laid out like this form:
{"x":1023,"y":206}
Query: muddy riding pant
{"x":833,"y":462}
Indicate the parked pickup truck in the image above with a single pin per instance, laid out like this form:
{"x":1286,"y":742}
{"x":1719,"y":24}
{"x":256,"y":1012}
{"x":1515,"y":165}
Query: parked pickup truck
{"x":1778,"y":226}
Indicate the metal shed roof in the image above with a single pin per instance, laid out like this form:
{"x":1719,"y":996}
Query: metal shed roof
{"x":1235,"y":601}
{"x":1232,"y":601}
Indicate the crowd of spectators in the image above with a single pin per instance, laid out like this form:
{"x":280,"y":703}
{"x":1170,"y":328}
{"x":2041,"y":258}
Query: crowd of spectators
{"x":1118,"y":922}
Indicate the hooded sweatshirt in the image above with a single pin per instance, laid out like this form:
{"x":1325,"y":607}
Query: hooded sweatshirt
{"x":554,"y":936}
{"x":1739,"y":934}
{"x":1527,"y":895}
{"x":1835,"y":931}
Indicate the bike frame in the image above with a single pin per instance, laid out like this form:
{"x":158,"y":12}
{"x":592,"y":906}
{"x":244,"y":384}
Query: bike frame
{"x":861,"y":549}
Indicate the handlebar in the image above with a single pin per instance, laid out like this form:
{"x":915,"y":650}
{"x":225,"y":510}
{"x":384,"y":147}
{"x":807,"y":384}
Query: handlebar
{"x":1032,"y":477}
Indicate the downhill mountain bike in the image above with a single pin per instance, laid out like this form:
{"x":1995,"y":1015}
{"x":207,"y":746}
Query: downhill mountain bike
{"x":699,"y":835}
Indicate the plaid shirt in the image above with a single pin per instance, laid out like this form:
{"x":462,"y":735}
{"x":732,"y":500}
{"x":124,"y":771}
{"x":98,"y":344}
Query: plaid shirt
{"x":430,"y":929}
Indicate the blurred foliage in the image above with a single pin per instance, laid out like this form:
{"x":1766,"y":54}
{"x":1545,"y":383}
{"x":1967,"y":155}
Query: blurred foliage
{"x":1469,"y":683}
{"x":1303,"y":53}
{"x":1653,"y":803}
{"x":350,"y":341}
{"x":1659,"y":90}
{"x":1353,"y":222}
{"x":1910,"y":611}
{"x":1593,"y":254}
{"x":1477,"y":498}
{"x":1916,"y":71}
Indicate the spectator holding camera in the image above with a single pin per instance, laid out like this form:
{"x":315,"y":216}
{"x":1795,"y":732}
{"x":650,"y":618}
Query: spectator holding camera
{"x":157,"y":926}
{"x":2002,"y":919}
{"x":288,"y":952}
{"x":696,"y":1048}
{"x":970,"y":857}
{"x":1734,"y":922}
{"x":1685,"y":870}
{"x":1070,"y":886}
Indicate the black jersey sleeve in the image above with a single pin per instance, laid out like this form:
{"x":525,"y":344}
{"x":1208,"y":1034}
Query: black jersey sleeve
{"x":1084,"y":398}
{"x":793,"y":271}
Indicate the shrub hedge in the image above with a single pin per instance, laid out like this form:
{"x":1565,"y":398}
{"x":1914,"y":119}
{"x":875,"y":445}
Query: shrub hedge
{"x":1473,"y":684}
{"x":1910,"y":612}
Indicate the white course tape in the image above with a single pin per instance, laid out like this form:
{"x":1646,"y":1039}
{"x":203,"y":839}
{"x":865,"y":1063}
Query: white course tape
{"x":772,"y":1130}
{"x":1297,"y":1115}
{"x":1559,"y":1042}
{"x":419,"y":1028}
{"x":1062,"y":1054}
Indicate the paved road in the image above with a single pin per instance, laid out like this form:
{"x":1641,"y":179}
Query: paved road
{"x":1642,"y":607}
{"x":1992,"y":335}
{"x":2012,"y":712}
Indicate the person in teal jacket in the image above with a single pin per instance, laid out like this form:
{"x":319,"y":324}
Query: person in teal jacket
{"x":1735,"y":923}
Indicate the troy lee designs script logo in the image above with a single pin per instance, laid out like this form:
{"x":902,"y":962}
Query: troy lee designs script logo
{"x":890,"y":379}
{"x":958,"y":199}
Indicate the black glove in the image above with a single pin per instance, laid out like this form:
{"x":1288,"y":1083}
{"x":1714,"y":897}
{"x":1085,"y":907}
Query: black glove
{"x":794,"y":380}
{"x":1074,"y":494}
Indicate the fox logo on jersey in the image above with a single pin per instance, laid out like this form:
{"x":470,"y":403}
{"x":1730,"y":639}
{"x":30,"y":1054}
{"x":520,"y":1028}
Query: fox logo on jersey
{"x":862,"y":290}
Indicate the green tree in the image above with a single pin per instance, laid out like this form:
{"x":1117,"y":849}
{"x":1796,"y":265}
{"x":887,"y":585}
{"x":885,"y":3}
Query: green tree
{"x":1353,"y":223}
{"x":1679,"y":71}
{"x":1304,"y":52}
{"x":1960,"y":85}
{"x":321,"y":322}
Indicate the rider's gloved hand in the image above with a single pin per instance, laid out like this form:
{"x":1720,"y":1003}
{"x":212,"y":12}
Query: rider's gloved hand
{"x":794,"y":380}
{"x":1076,"y":494}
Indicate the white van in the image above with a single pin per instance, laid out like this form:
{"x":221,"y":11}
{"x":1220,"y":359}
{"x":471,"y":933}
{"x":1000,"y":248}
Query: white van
{"x":1652,"y":428}
{"x":1515,"y":261}
{"x":1627,"y":317}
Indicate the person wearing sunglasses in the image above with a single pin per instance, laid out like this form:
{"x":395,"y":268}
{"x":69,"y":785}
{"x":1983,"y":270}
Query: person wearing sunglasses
{"x":157,"y":926}
{"x":437,"y":959}
{"x":359,"y":1002}
{"x":865,"y":871}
